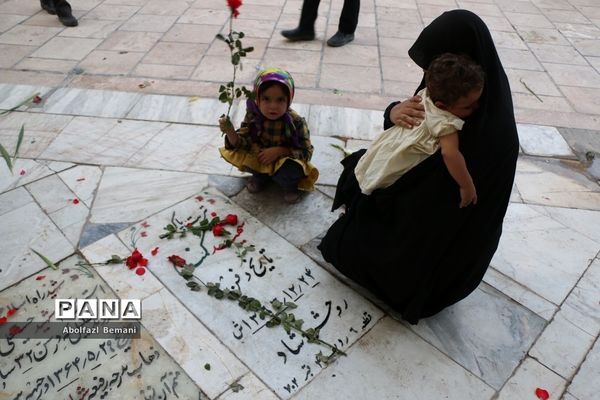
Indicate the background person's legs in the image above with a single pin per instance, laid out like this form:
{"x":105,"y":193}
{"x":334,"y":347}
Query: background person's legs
{"x":347,"y":24}
{"x":62,"y":9}
{"x":306,"y":27}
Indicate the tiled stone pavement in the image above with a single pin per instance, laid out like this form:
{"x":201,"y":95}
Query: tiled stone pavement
{"x":133,"y":157}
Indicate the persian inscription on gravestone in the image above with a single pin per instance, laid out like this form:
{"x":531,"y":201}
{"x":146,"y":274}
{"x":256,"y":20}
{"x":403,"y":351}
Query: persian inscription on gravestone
{"x":72,"y":366}
{"x":275,"y":270}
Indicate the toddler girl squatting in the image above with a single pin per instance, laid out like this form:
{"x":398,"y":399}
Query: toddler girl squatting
{"x":454,"y":84}
{"x":273,"y":142}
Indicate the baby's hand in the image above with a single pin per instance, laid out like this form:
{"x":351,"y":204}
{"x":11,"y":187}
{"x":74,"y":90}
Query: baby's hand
{"x":226,"y":126}
{"x":468,"y":195}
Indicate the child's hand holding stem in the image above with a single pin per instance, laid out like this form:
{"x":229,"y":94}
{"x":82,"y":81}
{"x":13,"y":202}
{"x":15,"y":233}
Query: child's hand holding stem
{"x":227,"y":128}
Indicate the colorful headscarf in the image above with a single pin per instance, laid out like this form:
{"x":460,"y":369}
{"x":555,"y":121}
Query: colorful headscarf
{"x":275,"y":75}
{"x":283,"y":77}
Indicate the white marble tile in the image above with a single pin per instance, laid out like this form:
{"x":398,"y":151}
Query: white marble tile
{"x":327,"y":159}
{"x":31,"y":170}
{"x":112,"y":367}
{"x":70,"y":220}
{"x":391,"y":362}
{"x":568,"y":396}
{"x":13,"y":95}
{"x":253,"y":389}
{"x":520,"y":294}
{"x":486,"y":333}
{"x":280,"y":271}
{"x":129,"y":195}
{"x":582,"y":306}
{"x":39,"y":131}
{"x":299,"y":222}
{"x":353,"y":145}
{"x":14,"y":199}
{"x":562,"y":347}
{"x":327,"y":190}
{"x":180,"y":148}
{"x":529,"y":376}
{"x":515,"y":195}
{"x":544,"y":249}
{"x":90,"y":102}
{"x":550,"y":183}
{"x":178,"y":109}
{"x":172,"y":325}
{"x":52,"y":194}
{"x":541,"y":140}
{"x":83,"y":180}
{"x":58,"y":166}
{"x":121,"y":279}
{"x":345,"y":122}
{"x":23,"y":229}
{"x":586,"y":385}
{"x":102,"y":141}
{"x":209,"y":160}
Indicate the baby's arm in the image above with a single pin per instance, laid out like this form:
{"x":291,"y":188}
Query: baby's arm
{"x":457,"y":167}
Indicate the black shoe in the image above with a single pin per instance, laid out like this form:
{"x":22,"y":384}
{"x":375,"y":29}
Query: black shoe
{"x":298,"y":34}
{"x":48,"y":5}
{"x":65,"y":16}
{"x":340,"y":39}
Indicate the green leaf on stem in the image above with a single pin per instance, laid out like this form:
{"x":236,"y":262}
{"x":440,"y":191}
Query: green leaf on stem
{"x":19,"y":141}
{"x":7,"y":158}
{"x":220,"y":37}
{"x":45,"y":259}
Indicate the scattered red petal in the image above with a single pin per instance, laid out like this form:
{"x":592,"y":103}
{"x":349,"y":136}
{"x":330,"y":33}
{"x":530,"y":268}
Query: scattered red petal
{"x":199,"y":198}
{"x":40,"y":277}
{"x":177,"y":261}
{"x":155,"y":251}
{"x":189,"y":225}
{"x":140,"y":271}
{"x":75,"y":201}
{"x":143,"y":234}
{"x":11,"y":312}
{"x":145,"y":224}
{"x":36,"y":99}
{"x":213,"y":214}
{"x":2,"y":320}
{"x":542,"y":394}
{"x":80,"y":179}
{"x":14,"y":330}
{"x":211,"y":201}
{"x":22,"y":172}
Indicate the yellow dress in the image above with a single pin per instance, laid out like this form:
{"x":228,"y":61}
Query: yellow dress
{"x":399,"y":149}
{"x":244,"y":157}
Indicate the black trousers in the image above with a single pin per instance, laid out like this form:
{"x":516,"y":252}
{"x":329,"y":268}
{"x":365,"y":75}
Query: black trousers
{"x":348,"y":19}
{"x":287,"y":177}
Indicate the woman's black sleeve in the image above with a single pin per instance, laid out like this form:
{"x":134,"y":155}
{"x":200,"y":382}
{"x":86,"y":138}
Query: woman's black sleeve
{"x":387,"y":122}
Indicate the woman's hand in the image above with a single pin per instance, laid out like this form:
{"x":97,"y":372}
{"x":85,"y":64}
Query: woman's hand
{"x":409,"y":113}
{"x":468,"y":195}
{"x":272,"y":154}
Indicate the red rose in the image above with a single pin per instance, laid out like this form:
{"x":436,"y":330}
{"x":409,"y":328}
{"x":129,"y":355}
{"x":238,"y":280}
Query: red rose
{"x":542,"y":394}
{"x":75,"y":201}
{"x":177,"y":261}
{"x":11,"y":312}
{"x":37,"y":99}
{"x":234,"y":5}
{"x":134,"y":259}
{"x":2,"y":320}
{"x":231,"y":219}
{"x":218,"y":230}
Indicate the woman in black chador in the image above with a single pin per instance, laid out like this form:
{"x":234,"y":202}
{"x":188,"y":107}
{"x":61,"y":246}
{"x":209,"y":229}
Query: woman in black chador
{"x":410,"y":243}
